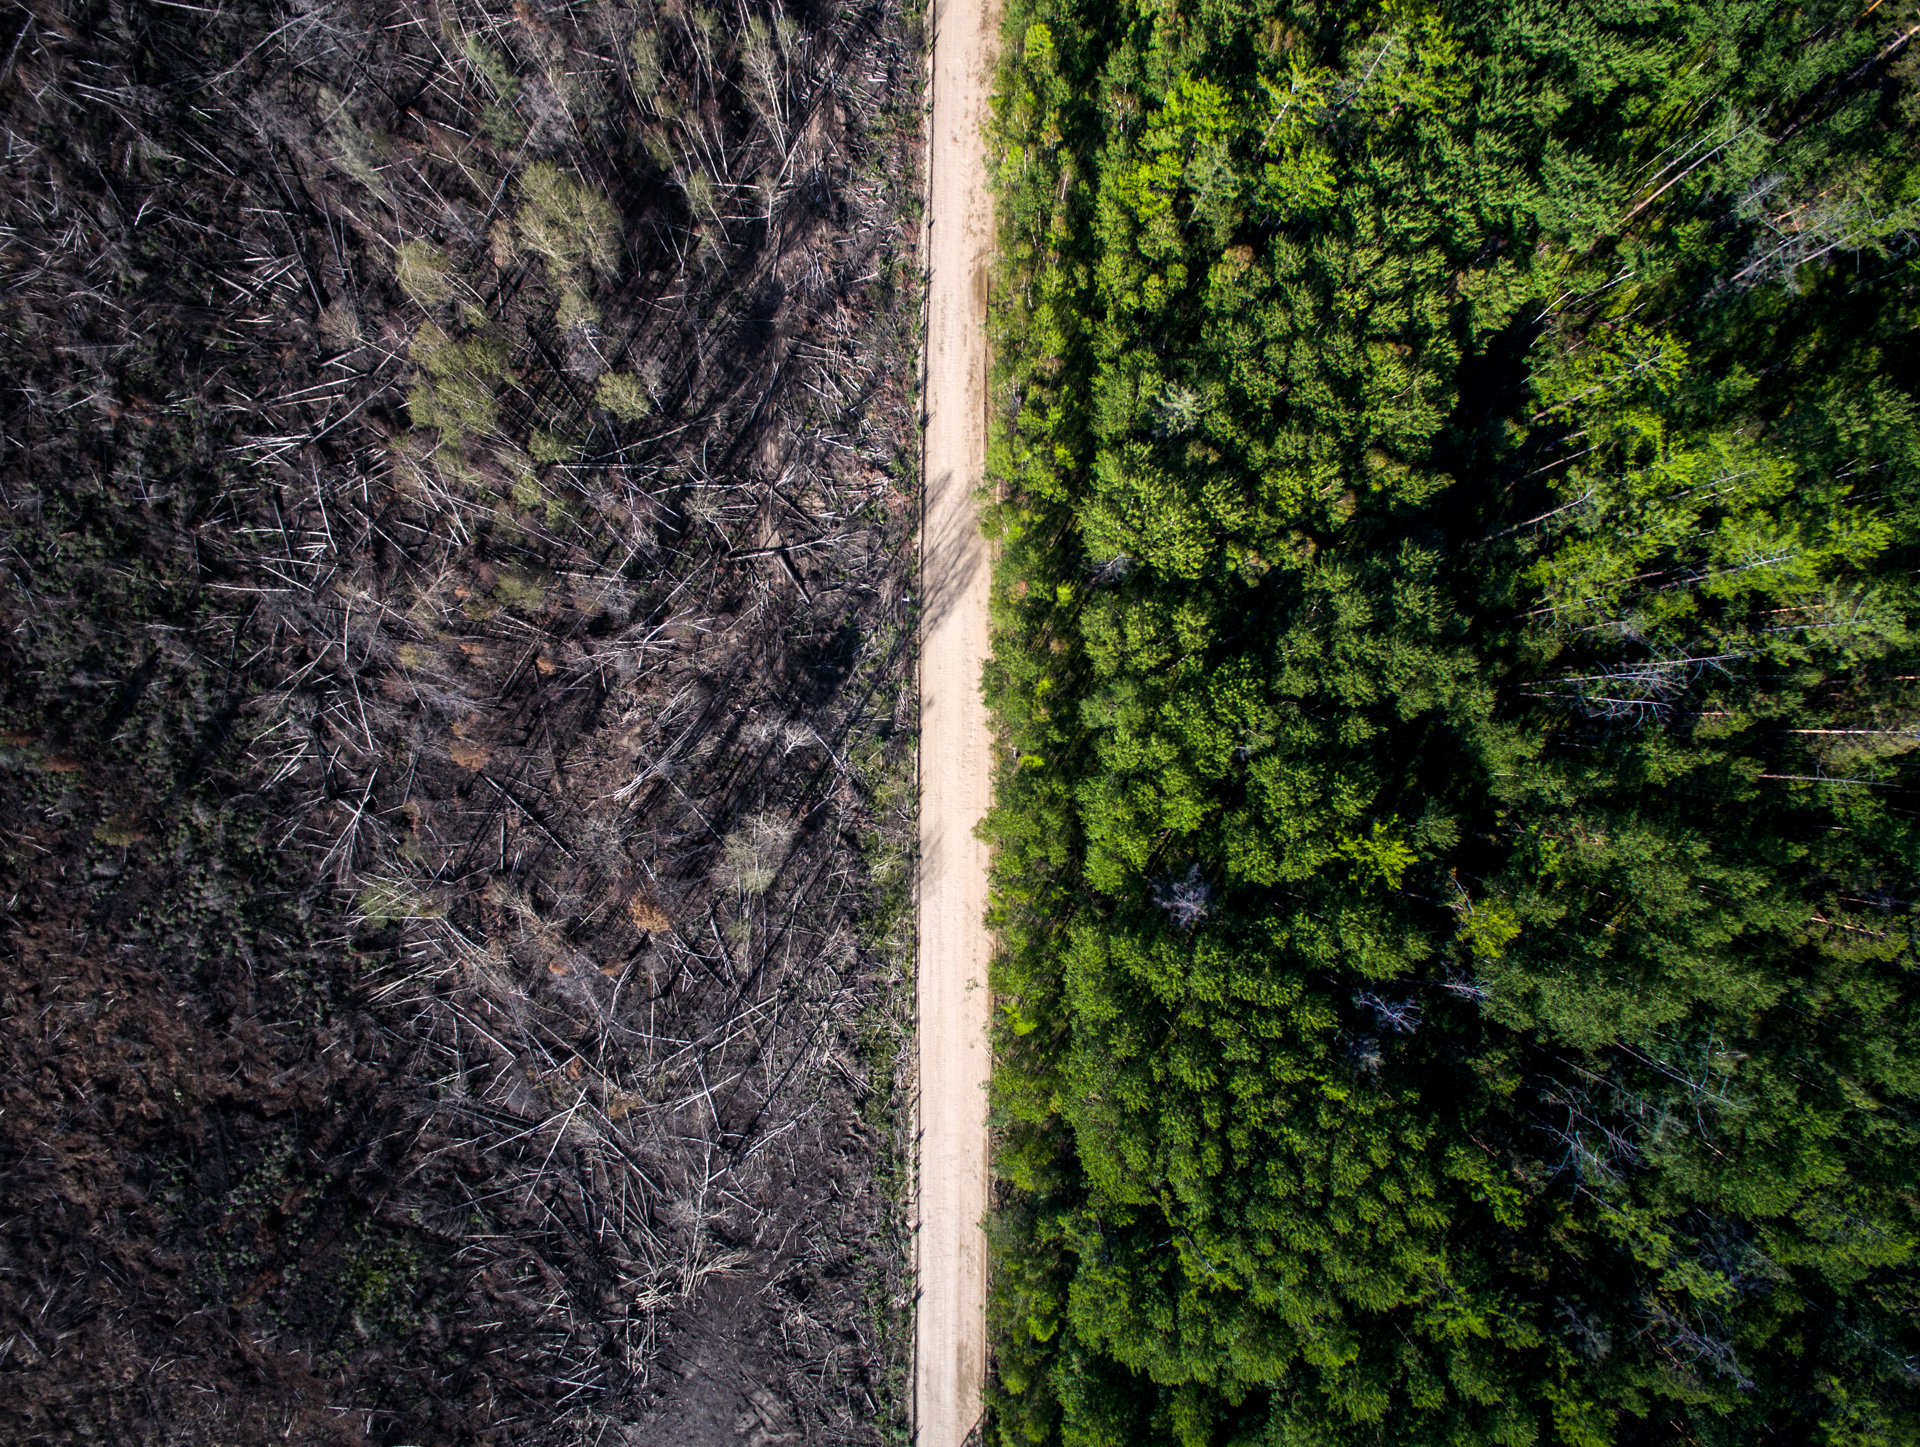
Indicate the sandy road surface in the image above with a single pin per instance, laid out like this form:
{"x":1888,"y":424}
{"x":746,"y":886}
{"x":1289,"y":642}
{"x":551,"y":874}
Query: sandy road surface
{"x":955,"y":771}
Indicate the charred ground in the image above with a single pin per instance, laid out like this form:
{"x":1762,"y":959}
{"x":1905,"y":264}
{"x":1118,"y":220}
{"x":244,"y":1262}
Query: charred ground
{"x":456,"y":692}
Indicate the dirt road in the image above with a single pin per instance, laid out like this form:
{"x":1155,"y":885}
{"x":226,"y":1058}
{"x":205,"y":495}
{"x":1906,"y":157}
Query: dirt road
{"x":955,"y":770}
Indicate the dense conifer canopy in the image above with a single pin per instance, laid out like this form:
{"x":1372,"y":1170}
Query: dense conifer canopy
{"x":1458,"y":496}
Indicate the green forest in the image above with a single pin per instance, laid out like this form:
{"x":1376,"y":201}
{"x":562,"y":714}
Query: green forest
{"x":1456,"y":488}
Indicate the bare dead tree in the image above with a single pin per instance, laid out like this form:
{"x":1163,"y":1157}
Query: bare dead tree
{"x":1399,"y":1016}
{"x":1186,"y":898}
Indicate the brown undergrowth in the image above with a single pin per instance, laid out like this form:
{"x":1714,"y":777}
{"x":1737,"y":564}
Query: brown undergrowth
{"x":457,"y":721}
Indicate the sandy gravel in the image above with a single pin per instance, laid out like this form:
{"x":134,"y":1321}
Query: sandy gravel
{"x":950,"y":1326}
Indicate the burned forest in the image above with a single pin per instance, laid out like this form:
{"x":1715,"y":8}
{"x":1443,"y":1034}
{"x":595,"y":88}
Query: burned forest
{"x":457,"y":709}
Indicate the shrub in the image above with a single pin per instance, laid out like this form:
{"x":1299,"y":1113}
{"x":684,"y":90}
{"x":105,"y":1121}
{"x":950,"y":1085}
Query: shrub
{"x":622,"y":395}
{"x":571,"y":227}
{"x":423,"y":273}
